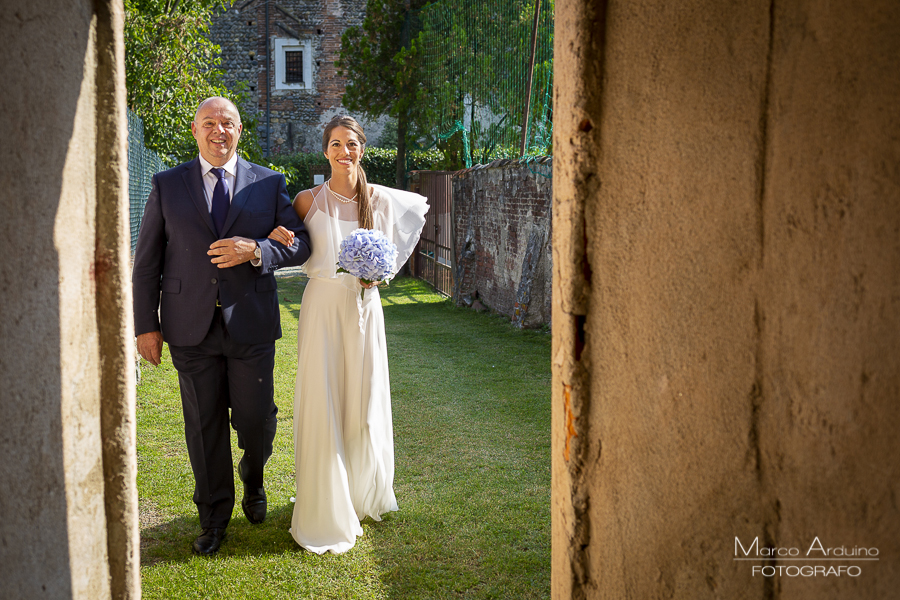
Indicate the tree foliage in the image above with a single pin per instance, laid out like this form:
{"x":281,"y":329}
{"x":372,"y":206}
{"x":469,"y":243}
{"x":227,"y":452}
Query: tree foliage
{"x":381,"y":63}
{"x":454,"y":73}
{"x":476,"y":63}
{"x":170,"y":66}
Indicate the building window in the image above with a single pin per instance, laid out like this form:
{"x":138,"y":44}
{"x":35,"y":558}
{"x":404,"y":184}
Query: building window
{"x":293,"y":64}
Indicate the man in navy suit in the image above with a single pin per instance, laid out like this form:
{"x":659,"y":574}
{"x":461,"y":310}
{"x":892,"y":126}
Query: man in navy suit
{"x":204,"y":282}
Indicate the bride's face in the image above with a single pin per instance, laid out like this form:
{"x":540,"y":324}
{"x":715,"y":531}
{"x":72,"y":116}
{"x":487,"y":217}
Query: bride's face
{"x":344,"y":151}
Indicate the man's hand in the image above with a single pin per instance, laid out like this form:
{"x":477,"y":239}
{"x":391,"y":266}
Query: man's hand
{"x":282,"y":235}
{"x":149,"y":346}
{"x":232,"y":251}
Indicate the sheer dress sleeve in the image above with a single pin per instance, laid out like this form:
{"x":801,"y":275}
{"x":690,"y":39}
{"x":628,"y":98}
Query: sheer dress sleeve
{"x":400,"y":215}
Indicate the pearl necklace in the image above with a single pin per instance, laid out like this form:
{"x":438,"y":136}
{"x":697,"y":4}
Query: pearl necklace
{"x":343,"y":199}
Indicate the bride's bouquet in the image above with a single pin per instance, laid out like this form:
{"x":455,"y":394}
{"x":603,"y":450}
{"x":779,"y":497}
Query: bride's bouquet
{"x":368,"y":255}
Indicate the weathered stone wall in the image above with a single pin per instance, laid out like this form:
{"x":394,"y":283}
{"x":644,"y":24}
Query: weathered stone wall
{"x":502,"y":219}
{"x":296,"y":117}
{"x":68,"y":498}
{"x":726,"y":296}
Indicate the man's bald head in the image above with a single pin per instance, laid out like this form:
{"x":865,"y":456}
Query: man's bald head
{"x":218,"y":99}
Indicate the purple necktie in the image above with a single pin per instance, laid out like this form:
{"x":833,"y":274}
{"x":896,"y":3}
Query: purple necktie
{"x":220,"y":201}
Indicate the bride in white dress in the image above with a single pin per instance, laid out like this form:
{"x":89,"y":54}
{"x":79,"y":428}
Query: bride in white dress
{"x":343,"y":433}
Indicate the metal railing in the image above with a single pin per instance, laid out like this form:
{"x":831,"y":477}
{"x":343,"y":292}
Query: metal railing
{"x":143,"y":164}
{"x":434,"y":256}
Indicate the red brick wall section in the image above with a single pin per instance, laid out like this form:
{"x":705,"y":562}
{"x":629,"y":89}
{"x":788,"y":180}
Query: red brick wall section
{"x":330,"y":86}
{"x":503,"y":228}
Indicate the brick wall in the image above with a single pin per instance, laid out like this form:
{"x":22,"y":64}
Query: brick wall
{"x":503,"y":219}
{"x":296,"y":117}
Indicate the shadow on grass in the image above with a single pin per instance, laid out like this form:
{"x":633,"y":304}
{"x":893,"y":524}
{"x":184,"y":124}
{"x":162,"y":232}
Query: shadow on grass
{"x":170,"y":542}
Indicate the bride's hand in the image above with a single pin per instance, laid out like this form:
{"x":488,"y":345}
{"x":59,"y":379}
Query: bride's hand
{"x":369,"y":285}
{"x":282,"y":235}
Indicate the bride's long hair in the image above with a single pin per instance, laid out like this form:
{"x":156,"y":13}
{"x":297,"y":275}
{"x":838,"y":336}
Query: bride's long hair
{"x":364,"y":204}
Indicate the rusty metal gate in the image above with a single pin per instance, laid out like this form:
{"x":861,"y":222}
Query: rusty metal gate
{"x":434,"y":256}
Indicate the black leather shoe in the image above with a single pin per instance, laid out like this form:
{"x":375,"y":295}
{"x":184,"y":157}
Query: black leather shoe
{"x":254,"y":502}
{"x":208,"y":542}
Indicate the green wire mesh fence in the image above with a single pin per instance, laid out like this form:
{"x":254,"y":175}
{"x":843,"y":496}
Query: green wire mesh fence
{"x":143,"y":164}
{"x":477,"y":67}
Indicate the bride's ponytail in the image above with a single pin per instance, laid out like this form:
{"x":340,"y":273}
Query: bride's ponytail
{"x":366,"y":219}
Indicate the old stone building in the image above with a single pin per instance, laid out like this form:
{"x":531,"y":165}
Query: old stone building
{"x":292,"y":82}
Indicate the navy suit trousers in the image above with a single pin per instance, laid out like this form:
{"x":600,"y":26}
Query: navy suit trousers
{"x":214,"y":376}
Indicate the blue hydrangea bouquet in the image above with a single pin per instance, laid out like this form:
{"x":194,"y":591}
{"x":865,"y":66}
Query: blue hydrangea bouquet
{"x":368,"y":255}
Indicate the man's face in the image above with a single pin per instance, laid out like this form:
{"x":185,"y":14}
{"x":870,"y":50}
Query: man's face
{"x":217,"y":128}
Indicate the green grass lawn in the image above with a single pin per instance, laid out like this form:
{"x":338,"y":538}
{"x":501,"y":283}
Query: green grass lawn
{"x":471,"y":402}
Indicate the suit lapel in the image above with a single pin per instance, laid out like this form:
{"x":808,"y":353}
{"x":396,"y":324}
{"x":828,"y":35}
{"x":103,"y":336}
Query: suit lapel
{"x":243,"y":187}
{"x":193,"y":181}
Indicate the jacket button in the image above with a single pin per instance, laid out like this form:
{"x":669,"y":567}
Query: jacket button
{"x":214,"y":280}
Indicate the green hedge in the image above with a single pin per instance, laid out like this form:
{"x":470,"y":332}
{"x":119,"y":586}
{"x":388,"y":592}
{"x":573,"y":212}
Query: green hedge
{"x":379,"y":164}
{"x":297,"y":169}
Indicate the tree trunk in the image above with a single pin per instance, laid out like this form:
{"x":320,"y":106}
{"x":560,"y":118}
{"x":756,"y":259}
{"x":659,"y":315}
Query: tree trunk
{"x":401,"y":150}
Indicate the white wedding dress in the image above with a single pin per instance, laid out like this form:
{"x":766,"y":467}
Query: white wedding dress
{"x":343,"y":434}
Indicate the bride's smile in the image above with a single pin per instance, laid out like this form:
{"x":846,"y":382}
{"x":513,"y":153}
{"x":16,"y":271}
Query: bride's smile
{"x":344,"y":152}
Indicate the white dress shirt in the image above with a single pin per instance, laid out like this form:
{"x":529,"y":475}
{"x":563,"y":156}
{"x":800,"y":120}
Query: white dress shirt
{"x":210,"y":180}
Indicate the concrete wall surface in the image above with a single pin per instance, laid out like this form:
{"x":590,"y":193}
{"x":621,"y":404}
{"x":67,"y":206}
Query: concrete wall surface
{"x":62,"y":104}
{"x":726,"y":299}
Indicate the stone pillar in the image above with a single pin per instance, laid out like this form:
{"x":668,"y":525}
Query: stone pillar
{"x":68,"y":497}
{"x":114,"y":308}
{"x":726,"y":238}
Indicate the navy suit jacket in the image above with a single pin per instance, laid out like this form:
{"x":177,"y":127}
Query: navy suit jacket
{"x":173,"y":273}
